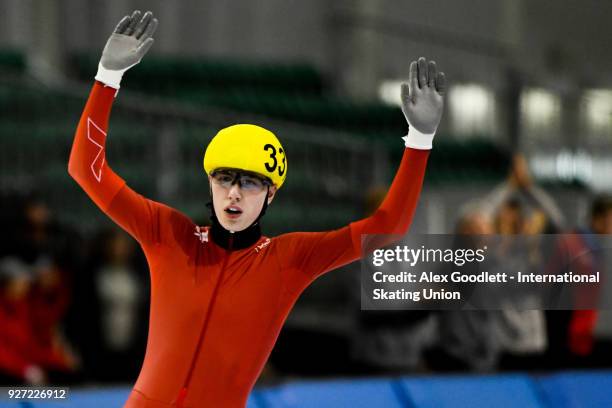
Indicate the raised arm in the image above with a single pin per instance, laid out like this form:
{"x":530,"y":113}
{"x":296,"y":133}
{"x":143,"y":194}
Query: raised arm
{"x":141,"y":217}
{"x":536,"y":195}
{"x":422,"y":104}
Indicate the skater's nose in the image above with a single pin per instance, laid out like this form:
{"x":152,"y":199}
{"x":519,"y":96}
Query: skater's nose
{"x":234,"y":192}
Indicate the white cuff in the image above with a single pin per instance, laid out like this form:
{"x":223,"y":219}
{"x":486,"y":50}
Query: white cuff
{"x":418,"y":140}
{"x":110,"y":77}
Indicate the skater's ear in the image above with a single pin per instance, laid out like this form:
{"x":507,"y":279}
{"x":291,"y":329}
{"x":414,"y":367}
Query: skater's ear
{"x":271,"y":193}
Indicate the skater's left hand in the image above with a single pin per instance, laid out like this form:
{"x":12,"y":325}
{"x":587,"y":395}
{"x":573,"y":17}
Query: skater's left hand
{"x":423,"y":96}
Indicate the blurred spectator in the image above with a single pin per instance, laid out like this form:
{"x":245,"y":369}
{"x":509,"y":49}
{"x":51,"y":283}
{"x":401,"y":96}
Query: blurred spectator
{"x":514,"y":336}
{"x":16,"y":365}
{"x":39,"y":239}
{"x":110,"y":309}
{"x":582,"y":333}
{"x":33,"y":300}
{"x":601,"y":224}
{"x":521,"y":332}
{"x":465,"y":338}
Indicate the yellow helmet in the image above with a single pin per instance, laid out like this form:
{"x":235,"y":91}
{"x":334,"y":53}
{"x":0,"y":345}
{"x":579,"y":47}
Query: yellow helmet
{"x":247,"y":147}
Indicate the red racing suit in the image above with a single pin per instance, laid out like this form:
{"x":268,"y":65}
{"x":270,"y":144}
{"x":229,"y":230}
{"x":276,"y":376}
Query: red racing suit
{"x":215,"y":313}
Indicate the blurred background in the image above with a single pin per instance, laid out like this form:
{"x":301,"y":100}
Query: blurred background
{"x":524,"y":147}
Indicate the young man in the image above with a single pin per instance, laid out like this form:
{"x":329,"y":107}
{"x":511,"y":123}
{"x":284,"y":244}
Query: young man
{"x":220,"y":294}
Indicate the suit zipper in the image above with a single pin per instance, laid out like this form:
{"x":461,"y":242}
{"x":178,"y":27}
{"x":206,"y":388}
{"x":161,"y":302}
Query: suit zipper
{"x":180,"y":399}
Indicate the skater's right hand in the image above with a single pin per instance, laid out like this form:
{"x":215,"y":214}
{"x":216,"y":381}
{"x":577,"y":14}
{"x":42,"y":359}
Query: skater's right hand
{"x":125,"y":48}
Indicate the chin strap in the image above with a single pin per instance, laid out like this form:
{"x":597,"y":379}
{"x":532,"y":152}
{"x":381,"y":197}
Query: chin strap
{"x":241,"y":239}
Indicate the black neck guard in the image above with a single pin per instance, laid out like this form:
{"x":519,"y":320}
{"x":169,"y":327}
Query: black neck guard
{"x":241,"y":239}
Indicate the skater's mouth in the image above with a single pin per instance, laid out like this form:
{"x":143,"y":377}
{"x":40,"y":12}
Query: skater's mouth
{"x":233,"y":211}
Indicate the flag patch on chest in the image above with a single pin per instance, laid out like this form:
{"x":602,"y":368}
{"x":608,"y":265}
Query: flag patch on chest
{"x":201,"y":234}
{"x":262,"y":245}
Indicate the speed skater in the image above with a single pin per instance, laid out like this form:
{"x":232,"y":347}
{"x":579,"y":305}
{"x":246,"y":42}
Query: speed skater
{"x":221,"y":293}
